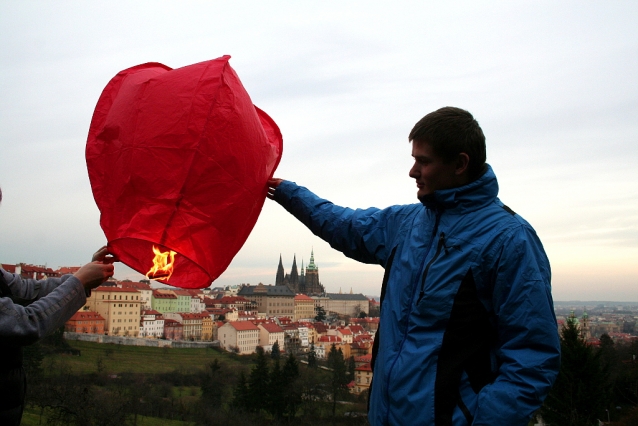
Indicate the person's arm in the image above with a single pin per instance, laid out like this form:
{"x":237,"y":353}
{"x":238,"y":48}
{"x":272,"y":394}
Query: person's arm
{"x":27,"y":291}
{"x":363,"y":235}
{"x":528,"y":344}
{"x":23,"y":325}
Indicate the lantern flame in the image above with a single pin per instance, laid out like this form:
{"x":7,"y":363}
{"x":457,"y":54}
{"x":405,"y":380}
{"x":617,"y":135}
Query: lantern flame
{"x":162,"y":265}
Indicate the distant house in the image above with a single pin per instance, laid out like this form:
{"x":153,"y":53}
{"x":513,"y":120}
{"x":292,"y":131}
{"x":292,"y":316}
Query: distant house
{"x":164,"y":302}
{"x":173,"y":330}
{"x":192,"y":324}
{"x":368,"y":323}
{"x":326,"y":342}
{"x":183,"y":300}
{"x":197,"y":303}
{"x":232,"y":302}
{"x":362,"y":378}
{"x":356,"y":330}
{"x":345,"y":334}
{"x":208,"y":327}
{"x":146,"y":292}
{"x":33,"y":272}
{"x":120,"y":307}
{"x":269,"y":333}
{"x":310,"y":332}
{"x":270,"y":300}
{"x":151,"y":324}
{"x":68,"y":270}
{"x":346,"y":304}
{"x":361,"y":345}
{"x":85,"y":322}
{"x":239,"y":336}
{"x":304,"y":308}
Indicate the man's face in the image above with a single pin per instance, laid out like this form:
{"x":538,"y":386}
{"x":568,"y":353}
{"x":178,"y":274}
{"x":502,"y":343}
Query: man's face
{"x":431,"y":172}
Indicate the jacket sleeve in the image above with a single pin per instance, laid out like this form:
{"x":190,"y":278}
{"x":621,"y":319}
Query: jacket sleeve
{"x":362,"y":234}
{"x":52,"y":302}
{"x":528,"y":346}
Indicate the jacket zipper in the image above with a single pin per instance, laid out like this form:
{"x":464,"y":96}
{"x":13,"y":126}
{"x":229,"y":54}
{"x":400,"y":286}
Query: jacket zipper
{"x":439,"y":246}
{"x":407,"y":317}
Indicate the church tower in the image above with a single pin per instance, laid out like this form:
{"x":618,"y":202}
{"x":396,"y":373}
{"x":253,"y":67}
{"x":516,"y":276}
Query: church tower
{"x":293,"y":281}
{"x":313,"y":286}
{"x":302,"y":279}
{"x":279,"y":279}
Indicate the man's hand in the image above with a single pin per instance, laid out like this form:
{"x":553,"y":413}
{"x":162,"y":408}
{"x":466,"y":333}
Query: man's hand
{"x":98,"y":271}
{"x":103,"y":255}
{"x":272,"y":187}
{"x":93,"y":274}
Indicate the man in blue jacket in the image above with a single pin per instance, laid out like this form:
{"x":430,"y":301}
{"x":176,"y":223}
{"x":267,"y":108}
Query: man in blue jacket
{"x":468,"y":334}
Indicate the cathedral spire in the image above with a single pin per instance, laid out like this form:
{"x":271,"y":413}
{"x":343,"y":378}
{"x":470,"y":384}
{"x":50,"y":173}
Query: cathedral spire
{"x":279,"y":279}
{"x":294,"y":275}
{"x":311,"y":265}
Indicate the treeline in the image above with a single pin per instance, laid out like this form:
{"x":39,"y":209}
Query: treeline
{"x":594,"y":383}
{"x":275,"y":389}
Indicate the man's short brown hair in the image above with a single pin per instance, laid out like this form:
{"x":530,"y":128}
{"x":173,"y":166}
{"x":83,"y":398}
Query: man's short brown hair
{"x":451,"y":131}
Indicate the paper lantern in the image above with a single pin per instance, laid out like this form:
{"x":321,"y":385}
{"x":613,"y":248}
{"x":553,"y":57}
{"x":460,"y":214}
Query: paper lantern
{"x":178,"y":161}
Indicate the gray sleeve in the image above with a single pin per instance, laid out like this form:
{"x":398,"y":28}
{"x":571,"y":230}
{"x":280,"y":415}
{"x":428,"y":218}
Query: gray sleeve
{"x":25,"y":291}
{"x":55,"y":300}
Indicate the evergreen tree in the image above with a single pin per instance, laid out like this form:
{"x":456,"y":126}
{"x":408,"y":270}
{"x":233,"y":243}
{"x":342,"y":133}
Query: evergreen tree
{"x":312,"y":356}
{"x":258,"y":383}
{"x":626,"y":391}
{"x":581,"y":392}
{"x":339,"y":379}
{"x":241,"y":398}
{"x":351,"y":366}
{"x":292,"y":389}
{"x":276,"y":401}
{"x":275,"y":352}
{"x":321,"y":313}
{"x":211,"y":389}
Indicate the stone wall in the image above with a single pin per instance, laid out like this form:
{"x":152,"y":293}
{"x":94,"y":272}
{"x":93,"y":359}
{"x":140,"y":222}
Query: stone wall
{"x":137,"y":341}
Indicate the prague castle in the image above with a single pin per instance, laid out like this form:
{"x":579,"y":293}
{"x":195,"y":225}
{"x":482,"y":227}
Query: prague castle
{"x":306,"y":283}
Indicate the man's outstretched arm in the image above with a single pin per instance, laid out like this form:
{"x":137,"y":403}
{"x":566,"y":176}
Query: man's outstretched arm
{"x":363,"y":235}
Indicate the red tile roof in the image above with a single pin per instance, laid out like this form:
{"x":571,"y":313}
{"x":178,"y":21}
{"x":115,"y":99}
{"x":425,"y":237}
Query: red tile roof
{"x":356,"y":329}
{"x":9,"y":268}
{"x":161,"y":295}
{"x":131,"y":284}
{"x":271,"y":327}
{"x":363,"y":358}
{"x":330,"y":339}
{"x":303,"y":297}
{"x":243,"y":325}
{"x":64,"y":270}
{"x":364,"y":367}
{"x":86,"y":315}
{"x":115,"y":289}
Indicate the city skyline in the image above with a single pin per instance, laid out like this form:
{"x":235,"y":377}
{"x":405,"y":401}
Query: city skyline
{"x":552,"y":85}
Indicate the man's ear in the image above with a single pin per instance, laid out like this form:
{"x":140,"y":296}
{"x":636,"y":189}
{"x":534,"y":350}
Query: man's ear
{"x":462,"y":163}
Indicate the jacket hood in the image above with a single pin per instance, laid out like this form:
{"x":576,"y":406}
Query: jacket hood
{"x":466,"y":198}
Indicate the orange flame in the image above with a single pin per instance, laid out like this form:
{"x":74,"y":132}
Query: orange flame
{"x":162,"y":265}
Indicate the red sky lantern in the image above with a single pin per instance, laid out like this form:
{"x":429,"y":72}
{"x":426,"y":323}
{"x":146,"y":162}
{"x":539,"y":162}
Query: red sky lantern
{"x":178,"y":161}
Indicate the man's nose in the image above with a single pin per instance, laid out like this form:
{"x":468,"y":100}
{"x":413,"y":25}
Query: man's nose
{"x":414,"y":172}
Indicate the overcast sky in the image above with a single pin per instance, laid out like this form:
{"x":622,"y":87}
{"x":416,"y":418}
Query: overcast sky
{"x":554,"y":85}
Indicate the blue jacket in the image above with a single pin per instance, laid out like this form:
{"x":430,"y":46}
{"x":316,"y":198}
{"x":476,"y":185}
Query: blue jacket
{"x":468,"y":334}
